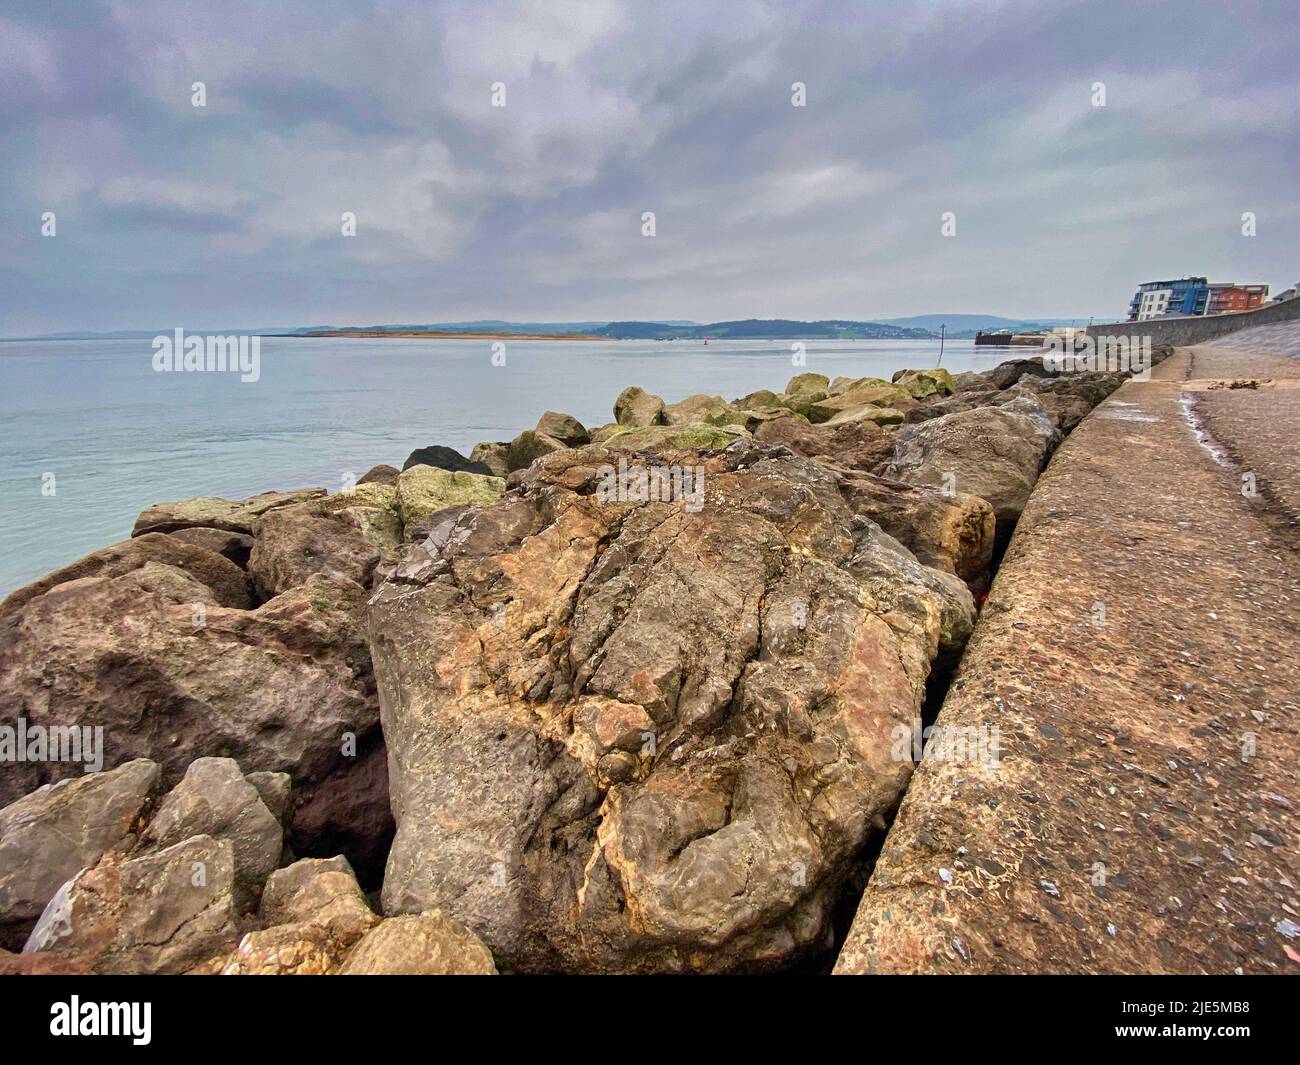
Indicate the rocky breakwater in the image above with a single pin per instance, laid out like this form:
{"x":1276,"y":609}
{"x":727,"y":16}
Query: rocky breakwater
{"x":628,"y":733}
{"x":634,"y":695}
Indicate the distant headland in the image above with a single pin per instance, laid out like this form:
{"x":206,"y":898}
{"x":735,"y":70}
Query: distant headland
{"x":925,"y":327}
{"x":917,"y":327}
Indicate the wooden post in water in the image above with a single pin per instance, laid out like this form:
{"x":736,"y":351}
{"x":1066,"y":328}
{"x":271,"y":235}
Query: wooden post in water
{"x":943,"y":328}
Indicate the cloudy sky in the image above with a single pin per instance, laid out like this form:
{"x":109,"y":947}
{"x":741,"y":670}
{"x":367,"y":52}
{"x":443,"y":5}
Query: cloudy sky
{"x":229,"y":215}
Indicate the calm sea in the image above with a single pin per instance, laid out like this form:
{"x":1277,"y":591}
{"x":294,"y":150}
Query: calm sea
{"x":117,"y":436}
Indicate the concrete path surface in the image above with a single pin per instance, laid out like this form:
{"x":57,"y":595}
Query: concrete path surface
{"x":1139,"y":659}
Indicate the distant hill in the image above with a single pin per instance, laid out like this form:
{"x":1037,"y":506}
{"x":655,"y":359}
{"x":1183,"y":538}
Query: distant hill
{"x":764,"y":329}
{"x":478,"y":326}
{"x":916,"y":327}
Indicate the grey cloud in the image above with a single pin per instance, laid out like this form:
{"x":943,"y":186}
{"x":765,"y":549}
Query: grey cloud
{"x":533,"y":211}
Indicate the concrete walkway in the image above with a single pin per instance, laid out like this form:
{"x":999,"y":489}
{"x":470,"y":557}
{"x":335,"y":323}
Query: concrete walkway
{"x":1139,"y":657}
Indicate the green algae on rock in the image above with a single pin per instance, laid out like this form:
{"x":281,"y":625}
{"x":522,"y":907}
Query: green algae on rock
{"x":636,"y":406}
{"x":676,"y":437}
{"x":423,"y":489}
{"x":922,"y":383}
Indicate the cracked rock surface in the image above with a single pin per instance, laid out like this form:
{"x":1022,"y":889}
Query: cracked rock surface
{"x":627,"y":737}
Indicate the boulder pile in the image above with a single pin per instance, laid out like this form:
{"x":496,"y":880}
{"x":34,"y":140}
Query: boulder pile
{"x":195,"y":880}
{"x":622,"y":699}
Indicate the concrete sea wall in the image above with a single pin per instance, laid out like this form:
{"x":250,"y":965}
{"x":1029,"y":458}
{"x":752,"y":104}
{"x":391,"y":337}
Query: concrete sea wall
{"x":1137,"y":656}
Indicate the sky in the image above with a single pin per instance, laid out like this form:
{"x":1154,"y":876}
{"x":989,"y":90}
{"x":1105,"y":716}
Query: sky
{"x":1076,"y":149}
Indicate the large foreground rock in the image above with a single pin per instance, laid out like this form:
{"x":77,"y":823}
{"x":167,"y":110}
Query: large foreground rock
{"x":279,"y":688}
{"x":903,"y":587}
{"x":627,"y":737}
{"x":954,"y":533}
{"x":49,"y":836}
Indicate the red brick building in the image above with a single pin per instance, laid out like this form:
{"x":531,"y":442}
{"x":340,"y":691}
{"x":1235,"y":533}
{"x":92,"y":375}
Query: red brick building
{"x":1230,"y":298}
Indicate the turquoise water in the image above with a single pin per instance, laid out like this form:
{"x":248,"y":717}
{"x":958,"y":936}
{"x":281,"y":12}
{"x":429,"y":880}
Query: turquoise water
{"x":117,"y":436}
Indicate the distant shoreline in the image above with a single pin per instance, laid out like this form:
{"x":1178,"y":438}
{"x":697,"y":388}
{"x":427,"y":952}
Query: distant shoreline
{"x":382,"y":334}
